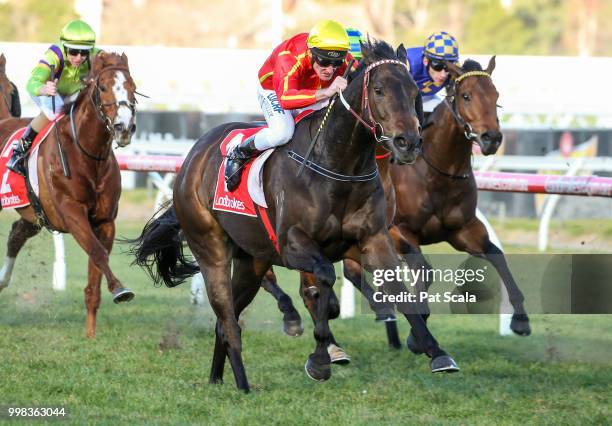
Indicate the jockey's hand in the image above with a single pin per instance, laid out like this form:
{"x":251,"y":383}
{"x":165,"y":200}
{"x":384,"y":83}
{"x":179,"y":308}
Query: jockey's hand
{"x":49,"y":89}
{"x":338,"y":85}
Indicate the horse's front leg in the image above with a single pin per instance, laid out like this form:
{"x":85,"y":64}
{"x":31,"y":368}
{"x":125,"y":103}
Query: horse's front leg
{"x":105,"y":233}
{"x":77,"y":223}
{"x":378,"y":254}
{"x":474,"y":239}
{"x":302,"y":253}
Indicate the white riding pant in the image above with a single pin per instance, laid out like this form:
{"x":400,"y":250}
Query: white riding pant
{"x":46,"y":105}
{"x":280,"y":121}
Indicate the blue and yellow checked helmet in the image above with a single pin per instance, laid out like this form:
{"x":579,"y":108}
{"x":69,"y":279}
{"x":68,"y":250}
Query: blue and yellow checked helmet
{"x":442,"y":46}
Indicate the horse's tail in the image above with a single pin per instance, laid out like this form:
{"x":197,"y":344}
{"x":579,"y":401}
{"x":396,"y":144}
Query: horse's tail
{"x":159,"y":250}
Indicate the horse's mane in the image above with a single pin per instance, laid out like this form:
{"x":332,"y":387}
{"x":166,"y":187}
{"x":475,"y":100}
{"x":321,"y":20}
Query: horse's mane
{"x":373,"y":50}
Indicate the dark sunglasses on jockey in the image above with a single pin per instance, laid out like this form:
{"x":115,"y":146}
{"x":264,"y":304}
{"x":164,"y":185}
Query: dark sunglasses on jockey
{"x":437,"y":65}
{"x":75,"y":52}
{"x":324,"y":59}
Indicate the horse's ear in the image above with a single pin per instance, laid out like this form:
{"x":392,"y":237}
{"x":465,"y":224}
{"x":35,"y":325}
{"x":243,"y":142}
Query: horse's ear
{"x":454,"y":69}
{"x":491,"y":65}
{"x":400,"y":52}
{"x":98,"y":62}
{"x":2,"y":60}
{"x":124,"y":59}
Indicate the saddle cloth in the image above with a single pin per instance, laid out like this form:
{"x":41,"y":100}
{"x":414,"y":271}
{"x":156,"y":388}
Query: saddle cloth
{"x":13,"y":193}
{"x":250,"y":190}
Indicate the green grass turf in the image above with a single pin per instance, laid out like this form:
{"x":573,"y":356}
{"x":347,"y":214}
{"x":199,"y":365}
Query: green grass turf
{"x":150,"y":361}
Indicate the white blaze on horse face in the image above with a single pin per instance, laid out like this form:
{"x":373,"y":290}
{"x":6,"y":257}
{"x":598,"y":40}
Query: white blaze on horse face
{"x":6,"y":272}
{"x":124,"y":113}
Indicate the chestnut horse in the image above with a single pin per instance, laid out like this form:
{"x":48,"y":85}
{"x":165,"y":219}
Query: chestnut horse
{"x":83,"y":204}
{"x":435,"y":198}
{"x":334,"y":210}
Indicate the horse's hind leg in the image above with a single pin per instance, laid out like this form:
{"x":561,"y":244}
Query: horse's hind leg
{"x":292,"y":322}
{"x":245,"y":283}
{"x":20,"y":232}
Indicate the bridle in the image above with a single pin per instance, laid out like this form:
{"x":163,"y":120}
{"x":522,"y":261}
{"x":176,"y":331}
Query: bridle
{"x":99,"y":107}
{"x":468,"y":132}
{"x":452,"y":106}
{"x":375,"y":128}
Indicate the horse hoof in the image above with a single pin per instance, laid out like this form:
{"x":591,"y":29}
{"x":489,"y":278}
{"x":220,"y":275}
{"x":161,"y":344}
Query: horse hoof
{"x":443,"y":363}
{"x":412,"y":344}
{"x":317,"y":372}
{"x":520,"y":325}
{"x":293,"y":328}
{"x":337,"y":355}
{"x":122,"y":295}
{"x":385,"y":318}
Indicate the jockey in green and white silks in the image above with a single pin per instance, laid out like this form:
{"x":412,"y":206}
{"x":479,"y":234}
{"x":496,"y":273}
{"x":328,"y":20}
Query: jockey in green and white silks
{"x":428,"y":69}
{"x":70,"y":59}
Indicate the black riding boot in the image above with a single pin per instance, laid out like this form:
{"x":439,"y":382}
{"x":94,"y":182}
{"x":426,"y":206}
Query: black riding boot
{"x":17,"y":161}
{"x":236,"y":160}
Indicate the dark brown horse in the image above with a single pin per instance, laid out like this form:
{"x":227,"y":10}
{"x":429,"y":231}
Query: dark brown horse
{"x":435,"y":198}
{"x":83,"y":204}
{"x":9,"y":98}
{"x":334,"y":210}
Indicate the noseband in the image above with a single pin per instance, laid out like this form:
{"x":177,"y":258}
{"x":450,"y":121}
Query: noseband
{"x":376,"y":128}
{"x":467,"y":128}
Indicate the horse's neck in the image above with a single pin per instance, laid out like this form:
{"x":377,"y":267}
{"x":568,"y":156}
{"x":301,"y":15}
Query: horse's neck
{"x":445,"y":145}
{"x":90,"y":130}
{"x":344,"y":145}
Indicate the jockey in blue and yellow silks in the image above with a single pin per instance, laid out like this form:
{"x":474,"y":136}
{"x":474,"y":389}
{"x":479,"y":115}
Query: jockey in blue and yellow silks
{"x":70,"y":59}
{"x":427,"y":66}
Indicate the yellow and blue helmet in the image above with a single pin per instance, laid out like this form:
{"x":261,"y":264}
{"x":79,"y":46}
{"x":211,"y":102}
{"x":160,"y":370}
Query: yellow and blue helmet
{"x":442,"y":46}
{"x":77,"y":34}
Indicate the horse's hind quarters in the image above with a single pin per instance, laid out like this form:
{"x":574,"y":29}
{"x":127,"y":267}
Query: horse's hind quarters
{"x":122,"y":295}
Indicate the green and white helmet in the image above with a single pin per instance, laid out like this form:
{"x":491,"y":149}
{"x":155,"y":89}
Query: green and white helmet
{"x":78,"y":34}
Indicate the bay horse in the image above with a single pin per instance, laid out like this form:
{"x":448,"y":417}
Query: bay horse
{"x":320,"y":217}
{"x":435,"y":198}
{"x":84,"y":203}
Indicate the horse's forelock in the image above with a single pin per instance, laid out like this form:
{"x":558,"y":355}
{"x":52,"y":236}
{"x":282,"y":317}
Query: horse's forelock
{"x":374,"y":50}
{"x":471,"y":65}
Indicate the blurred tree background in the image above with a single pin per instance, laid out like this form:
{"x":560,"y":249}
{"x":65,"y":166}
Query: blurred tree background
{"x":520,"y":27}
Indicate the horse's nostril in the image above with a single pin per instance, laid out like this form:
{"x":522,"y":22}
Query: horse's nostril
{"x":133,"y":129}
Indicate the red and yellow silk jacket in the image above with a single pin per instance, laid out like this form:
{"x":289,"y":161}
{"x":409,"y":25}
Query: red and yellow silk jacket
{"x":288,"y":71}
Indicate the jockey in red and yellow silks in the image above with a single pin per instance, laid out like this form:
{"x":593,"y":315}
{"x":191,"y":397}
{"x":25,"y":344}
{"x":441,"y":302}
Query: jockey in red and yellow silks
{"x":304,"y":71}
{"x":289,"y":72}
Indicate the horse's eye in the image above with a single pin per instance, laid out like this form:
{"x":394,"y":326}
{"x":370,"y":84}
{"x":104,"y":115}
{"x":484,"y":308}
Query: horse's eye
{"x":466,"y":97}
{"x":378,"y":90}
{"x":102,"y":88}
